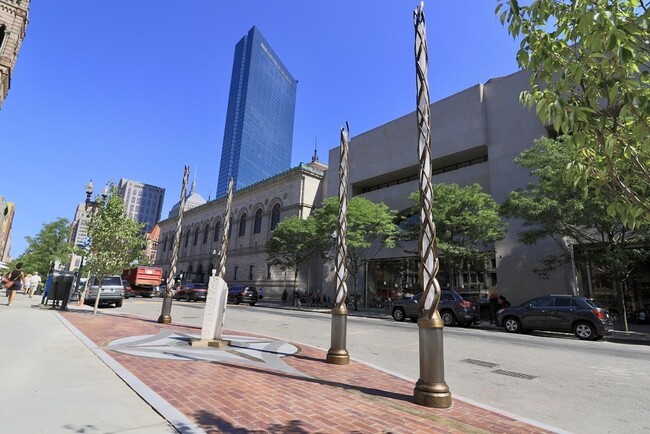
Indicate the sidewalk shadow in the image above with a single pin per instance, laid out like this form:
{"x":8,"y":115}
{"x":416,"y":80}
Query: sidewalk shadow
{"x":215,"y":424}
{"x":363,"y":390}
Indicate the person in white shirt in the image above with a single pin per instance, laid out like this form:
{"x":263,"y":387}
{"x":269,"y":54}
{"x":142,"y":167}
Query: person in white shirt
{"x":34,"y":281}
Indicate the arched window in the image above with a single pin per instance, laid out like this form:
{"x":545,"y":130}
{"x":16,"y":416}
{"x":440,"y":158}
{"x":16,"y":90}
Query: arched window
{"x":242,"y":225}
{"x":3,"y":30}
{"x":165,"y":244}
{"x":217,"y":229}
{"x":187,"y":236}
{"x":275,"y":216}
{"x":190,"y":270}
{"x":199,"y":273}
{"x":196,"y":236}
{"x":257,"y":224}
{"x":205,"y":233}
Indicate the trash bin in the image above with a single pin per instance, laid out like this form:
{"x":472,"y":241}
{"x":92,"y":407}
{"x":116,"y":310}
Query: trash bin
{"x":60,"y":290}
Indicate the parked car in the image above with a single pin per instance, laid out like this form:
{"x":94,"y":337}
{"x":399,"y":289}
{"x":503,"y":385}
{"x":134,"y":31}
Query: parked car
{"x":112,"y":291}
{"x":128,"y":292}
{"x":243,"y":294}
{"x":192,"y":292}
{"x":453,"y":309}
{"x":584,"y":317}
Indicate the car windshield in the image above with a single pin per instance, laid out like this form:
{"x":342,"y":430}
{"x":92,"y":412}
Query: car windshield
{"x":108,"y":281}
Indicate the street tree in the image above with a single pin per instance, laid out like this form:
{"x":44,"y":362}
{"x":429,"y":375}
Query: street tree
{"x":51,"y":244}
{"x":370,"y":227}
{"x":551,"y":207}
{"x":589,"y":78}
{"x":294,"y":243}
{"x":467,"y":223}
{"x":116,"y":240}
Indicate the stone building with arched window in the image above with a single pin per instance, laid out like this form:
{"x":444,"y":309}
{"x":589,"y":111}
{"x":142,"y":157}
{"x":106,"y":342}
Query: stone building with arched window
{"x":256,"y":210}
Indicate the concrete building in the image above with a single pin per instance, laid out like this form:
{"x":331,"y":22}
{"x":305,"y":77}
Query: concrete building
{"x":7,"y":210}
{"x":142,"y":202}
{"x":13,"y":22}
{"x":257,"y":209}
{"x":476,"y":134}
{"x":78,"y":233}
{"x":258,"y":135}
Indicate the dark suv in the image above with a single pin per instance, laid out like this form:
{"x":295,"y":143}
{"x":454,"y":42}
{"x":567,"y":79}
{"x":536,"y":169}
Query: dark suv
{"x":243,"y":294}
{"x":584,"y":317}
{"x":453,"y":309}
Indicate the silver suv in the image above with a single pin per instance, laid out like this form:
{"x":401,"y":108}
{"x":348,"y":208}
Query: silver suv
{"x":112,"y":291}
{"x":453,"y":309}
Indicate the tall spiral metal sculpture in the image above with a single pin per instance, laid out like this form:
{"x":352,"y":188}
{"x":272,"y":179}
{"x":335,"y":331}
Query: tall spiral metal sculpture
{"x":165,"y":315}
{"x":338,"y":354}
{"x":431,"y":389}
{"x":221,"y":268}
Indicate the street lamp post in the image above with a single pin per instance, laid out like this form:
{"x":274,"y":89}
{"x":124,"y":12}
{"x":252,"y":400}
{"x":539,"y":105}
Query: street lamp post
{"x":92,"y":204}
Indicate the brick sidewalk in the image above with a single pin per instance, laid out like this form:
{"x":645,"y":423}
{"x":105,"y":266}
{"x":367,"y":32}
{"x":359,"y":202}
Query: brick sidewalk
{"x":227,"y":397}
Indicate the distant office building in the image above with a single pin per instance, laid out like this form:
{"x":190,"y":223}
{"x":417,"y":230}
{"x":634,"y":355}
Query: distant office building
{"x":78,"y":233}
{"x":259,"y":123}
{"x":13,"y":21}
{"x":142,"y":202}
{"x":6,"y":218}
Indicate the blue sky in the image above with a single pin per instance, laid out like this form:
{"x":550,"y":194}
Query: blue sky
{"x":105,"y":90}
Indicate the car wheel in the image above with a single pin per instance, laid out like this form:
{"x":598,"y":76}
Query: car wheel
{"x":188,"y":298}
{"x":415,"y":318}
{"x":448,"y":318}
{"x":238,"y":300}
{"x":512,"y":325}
{"x":119,"y":303}
{"x":252,"y":303}
{"x":585,"y":331}
{"x":398,"y":314}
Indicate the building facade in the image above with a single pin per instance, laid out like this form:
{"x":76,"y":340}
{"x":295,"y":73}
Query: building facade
{"x":475,"y":136}
{"x":256,"y":211}
{"x":78,"y":233}
{"x":7,"y":210}
{"x":13,"y":23}
{"x":258,"y":134}
{"x":142,"y":202}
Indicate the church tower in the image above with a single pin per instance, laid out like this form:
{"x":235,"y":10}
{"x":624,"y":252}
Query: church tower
{"x":13,"y":22}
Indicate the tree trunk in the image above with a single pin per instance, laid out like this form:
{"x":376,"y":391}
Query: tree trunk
{"x":99,"y":291}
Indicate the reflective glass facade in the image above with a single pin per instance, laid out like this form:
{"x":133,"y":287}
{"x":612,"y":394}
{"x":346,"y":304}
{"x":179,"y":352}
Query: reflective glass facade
{"x":142,"y":202}
{"x":259,"y":122}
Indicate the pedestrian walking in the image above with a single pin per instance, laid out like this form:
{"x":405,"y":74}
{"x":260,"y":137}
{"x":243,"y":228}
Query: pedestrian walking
{"x":284,"y":296}
{"x":14,"y":282}
{"x":26,"y":281}
{"x":503,"y":302}
{"x":34,"y":281}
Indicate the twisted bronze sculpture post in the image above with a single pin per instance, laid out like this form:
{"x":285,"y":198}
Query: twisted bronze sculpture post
{"x":338,"y":354}
{"x":165,"y":314}
{"x":430,"y":389}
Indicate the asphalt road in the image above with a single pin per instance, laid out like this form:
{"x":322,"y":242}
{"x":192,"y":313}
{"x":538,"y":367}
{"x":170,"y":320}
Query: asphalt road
{"x":556,"y":379}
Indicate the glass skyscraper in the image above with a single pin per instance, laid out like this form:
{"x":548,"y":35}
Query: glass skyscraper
{"x":259,"y":122}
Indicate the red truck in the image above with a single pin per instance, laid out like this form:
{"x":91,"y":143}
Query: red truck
{"x":144,"y":281}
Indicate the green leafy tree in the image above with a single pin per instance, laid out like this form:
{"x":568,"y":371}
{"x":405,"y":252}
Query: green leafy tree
{"x":116,"y":239}
{"x":49,"y":245}
{"x":295,"y":242}
{"x":589,"y":64}
{"x":467,"y":223}
{"x":553,"y":208}
{"x":371,"y":227}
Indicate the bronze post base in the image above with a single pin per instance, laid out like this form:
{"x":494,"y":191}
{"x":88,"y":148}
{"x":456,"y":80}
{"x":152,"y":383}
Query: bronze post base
{"x":431,"y":390}
{"x":165,"y":314}
{"x":338,"y":353}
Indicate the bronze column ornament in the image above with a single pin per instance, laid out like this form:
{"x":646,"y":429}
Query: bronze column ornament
{"x":338,"y":354}
{"x":165,"y":314}
{"x":430,"y":389}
